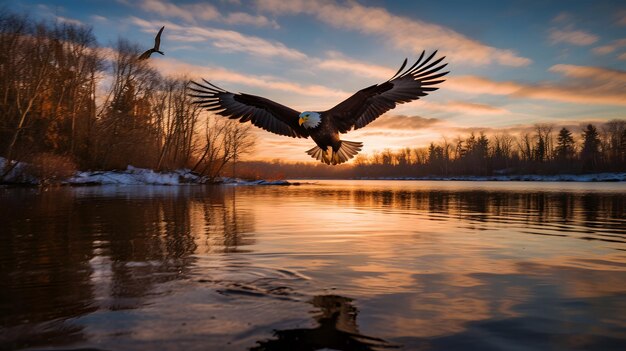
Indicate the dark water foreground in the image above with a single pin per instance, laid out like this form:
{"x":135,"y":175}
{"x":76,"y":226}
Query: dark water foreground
{"x":370,"y":265}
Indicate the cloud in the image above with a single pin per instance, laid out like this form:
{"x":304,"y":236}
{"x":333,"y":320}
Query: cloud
{"x":456,"y":107}
{"x":563,"y":17}
{"x":603,"y":75}
{"x":69,"y":20}
{"x":403,"y":122}
{"x":622,"y":56}
{"x":191,"y":13}
{"x":173,"y":67}
{"x":340,"y":63}
{"x":246,"y":18}
{"x":474,"y":108}
{"x":573,"y":126}
{"x":404,"y":33}
{"x":567,"y":33}
{"x":232,"y":41}
{"x":188,"y":13}
{"x":225,"y":40}
{"x":584,"y":85}
{"x":99,"y":18}
{"x":609,"y":48}
{"x":571,"y":36}
{"x":481,"y":85}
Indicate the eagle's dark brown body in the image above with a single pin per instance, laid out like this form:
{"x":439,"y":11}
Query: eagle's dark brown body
{"x":353,"y":113}
{"x":326,"y":134}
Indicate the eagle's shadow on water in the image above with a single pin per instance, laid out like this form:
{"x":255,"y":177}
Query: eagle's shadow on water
{"x":337,"y":329}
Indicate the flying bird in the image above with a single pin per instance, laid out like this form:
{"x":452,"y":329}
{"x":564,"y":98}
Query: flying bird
{"x":157,"y":44}
{"x":324,"y":127}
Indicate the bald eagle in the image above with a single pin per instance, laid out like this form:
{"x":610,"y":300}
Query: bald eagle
{"x":324,"y":127}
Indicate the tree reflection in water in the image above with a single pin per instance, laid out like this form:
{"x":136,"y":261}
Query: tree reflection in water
{"x":337,"y":330}
{"x":71,"y":258}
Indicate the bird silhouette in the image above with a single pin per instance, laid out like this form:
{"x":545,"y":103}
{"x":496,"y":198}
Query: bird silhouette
{"x":157,"y":44}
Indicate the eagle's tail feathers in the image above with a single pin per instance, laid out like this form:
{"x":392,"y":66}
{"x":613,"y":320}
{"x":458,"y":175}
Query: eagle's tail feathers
{"x":346,"y":151}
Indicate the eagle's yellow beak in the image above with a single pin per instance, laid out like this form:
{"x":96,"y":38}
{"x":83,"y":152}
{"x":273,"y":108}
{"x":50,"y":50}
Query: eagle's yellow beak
{"x":301,"y":120}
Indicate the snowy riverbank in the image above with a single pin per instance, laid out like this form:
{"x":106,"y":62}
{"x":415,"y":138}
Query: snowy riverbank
{"x":20,"y":175}
{"x":139,"y":176}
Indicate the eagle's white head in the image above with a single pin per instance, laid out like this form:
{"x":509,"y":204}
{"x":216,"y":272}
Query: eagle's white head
{"x":310,"y":119}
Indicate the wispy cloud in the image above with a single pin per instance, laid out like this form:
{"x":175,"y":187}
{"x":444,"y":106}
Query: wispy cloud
{"x":233,"y":41}
{"x":189,"y":12}
{"x":173,"y":67}
{"x":403,"y":122}
{"x":622,"y":56}
{"x":404,"y":33}
{"x":455,"y":107}
{"x":475,"y":108}
{"x":609,"y":48}
{"x":99,"y":18}
{"x":69,"y":20}
{"x":564,"y":31}
{"x":572,"y":36}
{"x":192,"y":13}
{"x":585,"y":85}
{"x":338,"y":62}
{"x":225,"y":40}
{"x":248,"y":19}
{"x":605,"y":76}
{"x":563,"y":17}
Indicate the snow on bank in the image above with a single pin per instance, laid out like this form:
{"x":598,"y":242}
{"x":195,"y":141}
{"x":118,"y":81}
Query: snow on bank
{"x":131,"y":176}
{"x":19,"y":174}
{"x":135,"y":176}
{"x":596,"y":177}
{"x":139,"y":176}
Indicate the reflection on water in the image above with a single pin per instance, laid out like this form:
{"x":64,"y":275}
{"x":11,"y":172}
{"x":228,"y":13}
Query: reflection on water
{"x":427,"y":265}
{"x":336,"y":329}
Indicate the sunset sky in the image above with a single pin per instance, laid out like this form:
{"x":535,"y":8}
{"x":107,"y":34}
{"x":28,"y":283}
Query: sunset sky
{"x":512,"y":63}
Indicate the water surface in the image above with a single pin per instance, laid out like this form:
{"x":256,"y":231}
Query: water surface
{"x":344,"y":265}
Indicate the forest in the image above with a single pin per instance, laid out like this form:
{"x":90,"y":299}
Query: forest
{"x":68,"y":103}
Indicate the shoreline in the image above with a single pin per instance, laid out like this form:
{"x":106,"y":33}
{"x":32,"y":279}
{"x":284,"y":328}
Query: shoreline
{"x":143,"y":176}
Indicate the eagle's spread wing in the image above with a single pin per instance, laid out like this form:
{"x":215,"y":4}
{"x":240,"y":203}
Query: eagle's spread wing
{"x":157,"y":39}
{"x":261,"y":112}
{"x":368,"y":104}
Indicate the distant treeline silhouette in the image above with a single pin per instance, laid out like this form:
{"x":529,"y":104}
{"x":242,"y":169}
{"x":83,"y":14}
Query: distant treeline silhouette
{"x":542,"y":151}
{"x":67,"y":103}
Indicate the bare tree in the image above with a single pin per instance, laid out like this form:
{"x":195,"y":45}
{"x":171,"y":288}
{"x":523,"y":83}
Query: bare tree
{"x":28,"y":83}
{"x":239,"y":141}
{"x":225,"y":142}
{"x":126,"y":132}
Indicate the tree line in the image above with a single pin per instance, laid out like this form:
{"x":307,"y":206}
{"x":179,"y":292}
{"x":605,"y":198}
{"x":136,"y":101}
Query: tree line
{"x":67,"y":103}
{"x":544,"y":150}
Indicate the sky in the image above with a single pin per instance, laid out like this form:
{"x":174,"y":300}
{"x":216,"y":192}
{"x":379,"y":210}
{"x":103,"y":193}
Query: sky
{"x":512,"y":63}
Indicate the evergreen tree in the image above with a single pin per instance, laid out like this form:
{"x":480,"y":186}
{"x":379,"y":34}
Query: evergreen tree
{"x":623,"y":146}
{"x":590,"y":153}
{"x":565,"y":145}
{"x":540,"y":150}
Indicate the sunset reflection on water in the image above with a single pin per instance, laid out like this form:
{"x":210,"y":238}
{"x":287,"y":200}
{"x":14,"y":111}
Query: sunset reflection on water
{"x":365,"y":264}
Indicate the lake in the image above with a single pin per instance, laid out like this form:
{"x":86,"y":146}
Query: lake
{"x":336,"y":265}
